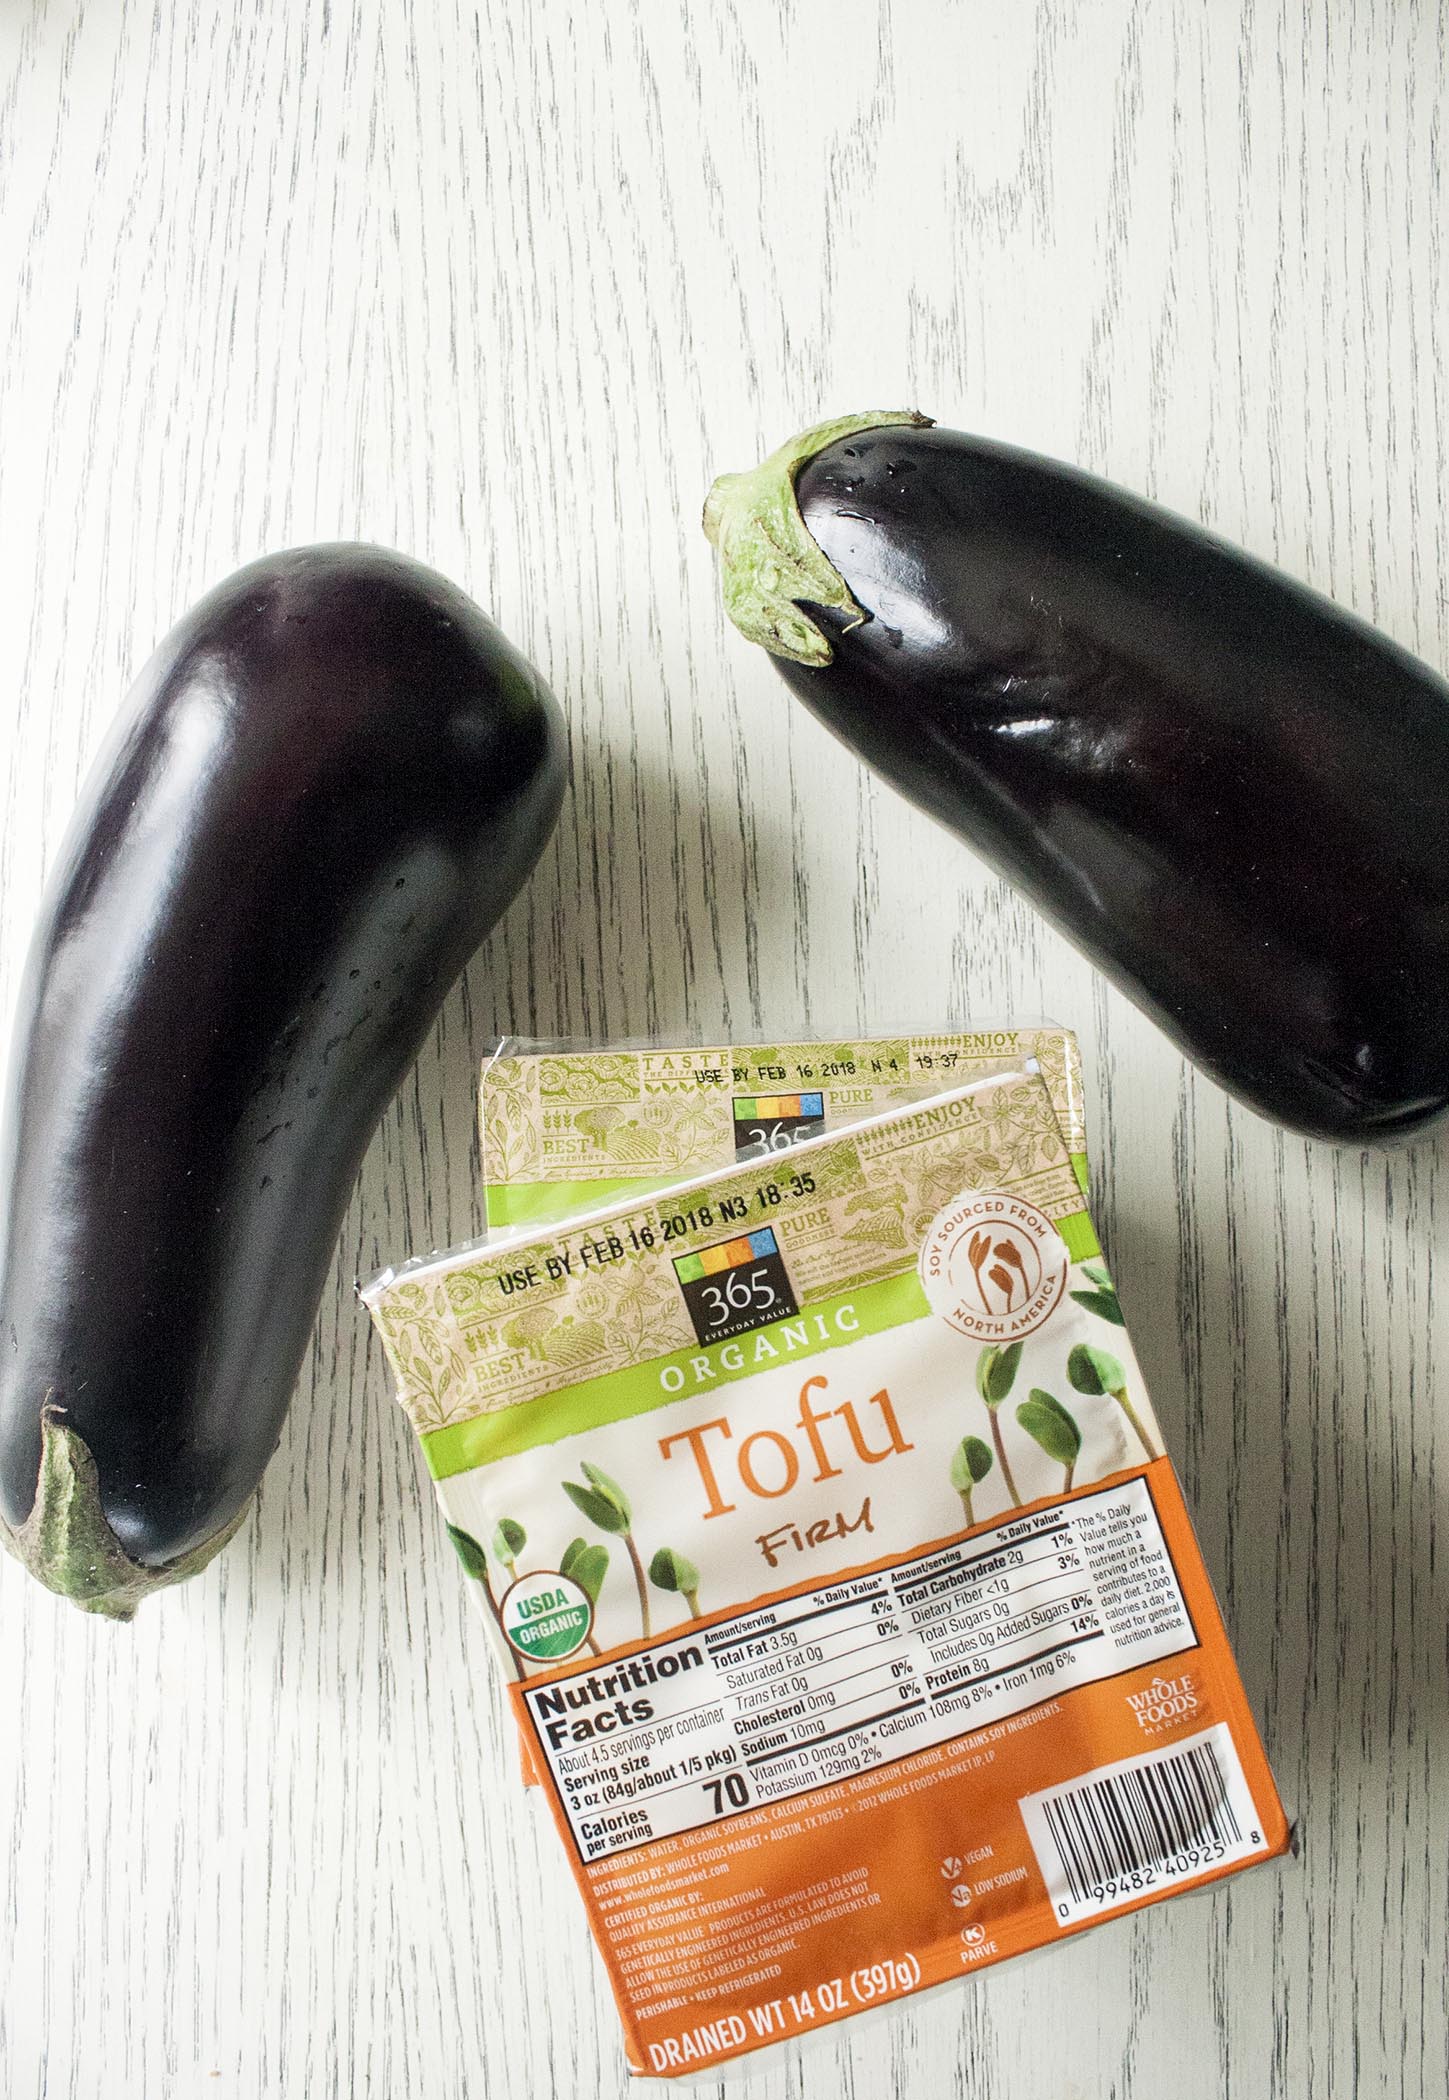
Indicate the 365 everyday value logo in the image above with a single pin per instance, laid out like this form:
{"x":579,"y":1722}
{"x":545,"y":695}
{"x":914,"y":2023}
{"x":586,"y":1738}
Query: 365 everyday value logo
{"x":736,"y":1286}
{"x":994,"y":1266}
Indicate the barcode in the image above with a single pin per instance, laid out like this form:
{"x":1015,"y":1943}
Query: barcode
{"x":1149,"y":1823}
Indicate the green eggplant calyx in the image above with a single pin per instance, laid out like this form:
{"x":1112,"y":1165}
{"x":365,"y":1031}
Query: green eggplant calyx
{"x":67,"y":1544}
{"x":770,"y":564}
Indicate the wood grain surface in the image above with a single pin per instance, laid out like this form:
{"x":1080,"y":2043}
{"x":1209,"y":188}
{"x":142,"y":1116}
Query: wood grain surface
{"x":505,"y":285}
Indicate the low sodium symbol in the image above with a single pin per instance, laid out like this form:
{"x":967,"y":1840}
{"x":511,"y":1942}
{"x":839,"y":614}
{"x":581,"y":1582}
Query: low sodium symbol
{"x":546,"y":1616}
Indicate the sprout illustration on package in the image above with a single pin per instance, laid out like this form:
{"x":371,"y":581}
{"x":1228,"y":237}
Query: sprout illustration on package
{"x":850,"y":1610}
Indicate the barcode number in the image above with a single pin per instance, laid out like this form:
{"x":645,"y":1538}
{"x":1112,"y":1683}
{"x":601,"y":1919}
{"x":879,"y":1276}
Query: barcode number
{"x":1142,"y":1826}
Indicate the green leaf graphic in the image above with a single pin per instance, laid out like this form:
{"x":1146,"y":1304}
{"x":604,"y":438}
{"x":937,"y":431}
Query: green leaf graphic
{"x":469,"y":1552}
{"x":971,"y":1461}
{"x":597,"y":1508}
{"x":1095,"y":1370}
{"x":610,"y":1489}
{"x":673,"y":1571}
{"x":509,"y":1540}
{"x":996,"y":1371}
{"x":1102,"y":1303}
{"x":587,"y":1566}
{"x":1045,"y":1419}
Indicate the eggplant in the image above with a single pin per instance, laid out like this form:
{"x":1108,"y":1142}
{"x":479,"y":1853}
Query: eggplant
{"x":1230,"y":794}
{"x":329,"y":782}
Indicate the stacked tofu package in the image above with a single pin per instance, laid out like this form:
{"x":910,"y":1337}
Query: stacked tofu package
{"x":790,"y":1434}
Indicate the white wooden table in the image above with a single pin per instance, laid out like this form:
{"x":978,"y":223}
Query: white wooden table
{"x":504,"y":285}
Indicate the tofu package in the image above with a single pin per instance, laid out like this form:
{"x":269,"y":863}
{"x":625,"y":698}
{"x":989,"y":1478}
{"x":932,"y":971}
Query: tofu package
{"x":848,"y":1606}
{"x":566,"y":1127}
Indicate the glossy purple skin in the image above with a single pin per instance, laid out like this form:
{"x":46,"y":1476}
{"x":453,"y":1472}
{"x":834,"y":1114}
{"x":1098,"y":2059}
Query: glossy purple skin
{"x":1232,"y":796}
{"x":326,"y":787}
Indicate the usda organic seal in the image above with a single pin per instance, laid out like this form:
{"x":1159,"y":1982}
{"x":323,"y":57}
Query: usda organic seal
{"x":546,"y":1616}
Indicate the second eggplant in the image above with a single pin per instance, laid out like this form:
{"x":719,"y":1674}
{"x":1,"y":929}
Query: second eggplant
{"x":1231,"y":794}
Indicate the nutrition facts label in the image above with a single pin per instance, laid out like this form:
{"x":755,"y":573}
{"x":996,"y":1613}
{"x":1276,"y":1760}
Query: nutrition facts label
{"x":834,"y":1681}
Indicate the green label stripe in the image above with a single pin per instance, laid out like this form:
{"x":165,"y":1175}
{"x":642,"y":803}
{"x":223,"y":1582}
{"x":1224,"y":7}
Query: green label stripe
{"x":1081,"y":1239}
{"x":551,"y":1202}
{"x":639,"y":1388}
{"x":511,"y":1203}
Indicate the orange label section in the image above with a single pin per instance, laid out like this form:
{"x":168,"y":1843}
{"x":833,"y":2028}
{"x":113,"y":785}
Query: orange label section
{"x":850,"y":1791}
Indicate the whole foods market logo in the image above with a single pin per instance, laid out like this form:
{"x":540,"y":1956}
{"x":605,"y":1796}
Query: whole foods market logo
{"x":993,"y":1266}
{"x":546,"y":1616}
{"x":1164,"y":1702}
{"x":738,"y":1285}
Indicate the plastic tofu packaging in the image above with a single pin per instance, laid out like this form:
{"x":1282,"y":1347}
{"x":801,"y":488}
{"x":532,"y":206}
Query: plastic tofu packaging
{"x":848,"y":1606}
{"x":566,"y":1128}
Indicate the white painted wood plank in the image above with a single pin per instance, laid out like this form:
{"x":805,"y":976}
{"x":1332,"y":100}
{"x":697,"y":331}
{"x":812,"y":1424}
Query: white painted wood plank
{"x":505,"y":286}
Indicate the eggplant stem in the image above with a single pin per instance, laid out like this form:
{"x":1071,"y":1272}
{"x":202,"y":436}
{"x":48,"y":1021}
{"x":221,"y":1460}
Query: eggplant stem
{"x":67,"y":1543}
{"x":769,"y":562}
